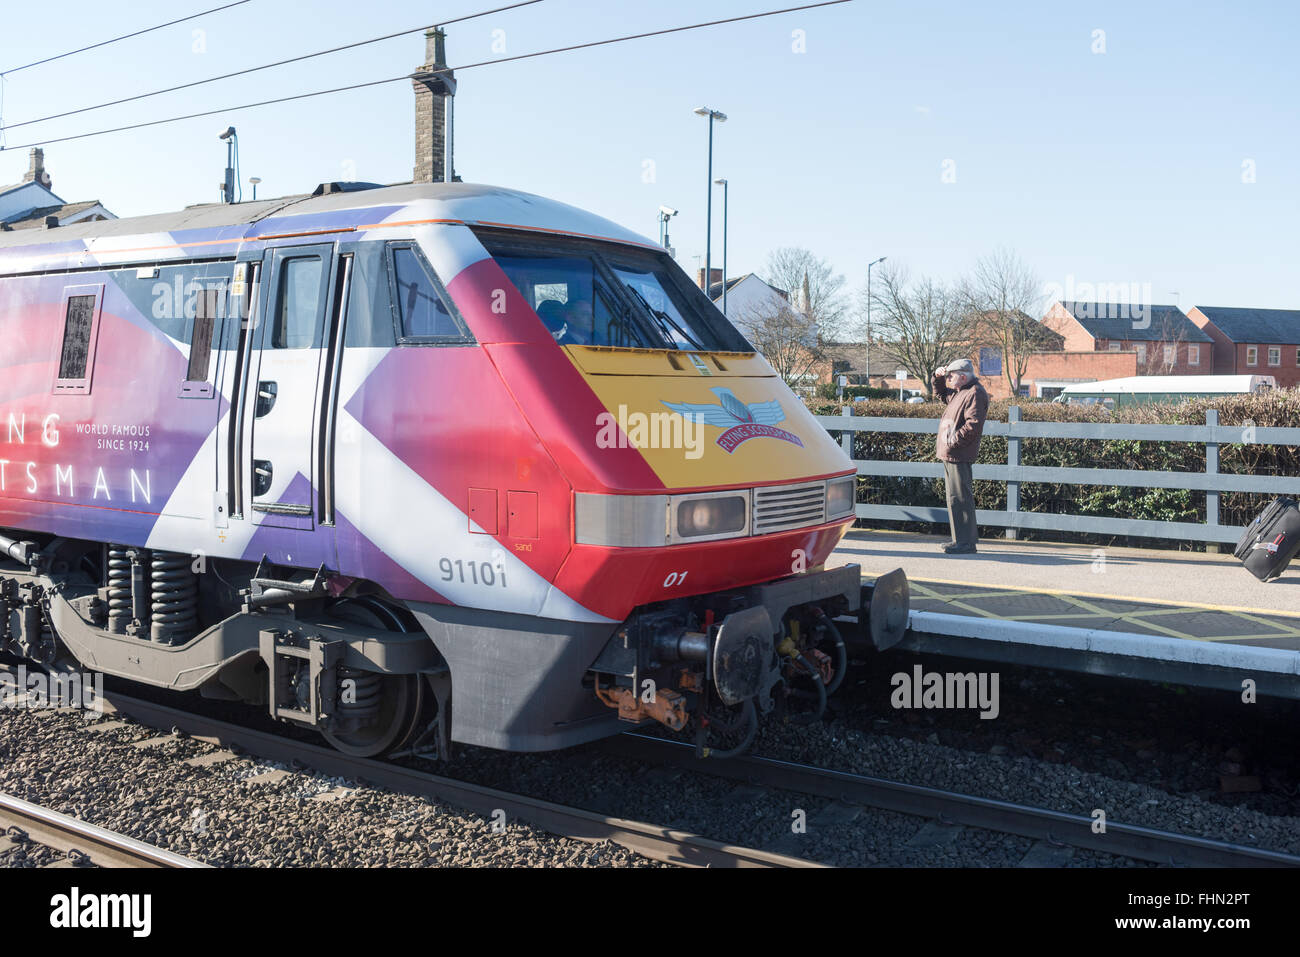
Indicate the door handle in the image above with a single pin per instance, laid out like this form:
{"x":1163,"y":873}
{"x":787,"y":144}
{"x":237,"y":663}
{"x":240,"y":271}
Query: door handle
{"x":263,"y":471}
{"x":266,"y":393}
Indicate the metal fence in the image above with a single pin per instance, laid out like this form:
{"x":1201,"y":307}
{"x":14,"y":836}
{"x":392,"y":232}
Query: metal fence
{"x":1212,"y":482}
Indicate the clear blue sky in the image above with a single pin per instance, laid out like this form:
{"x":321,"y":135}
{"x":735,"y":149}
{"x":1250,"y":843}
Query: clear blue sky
{"x":1122,"y":166}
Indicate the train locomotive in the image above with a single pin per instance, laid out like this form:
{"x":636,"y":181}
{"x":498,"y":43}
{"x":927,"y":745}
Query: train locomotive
{"x":411,"y":465}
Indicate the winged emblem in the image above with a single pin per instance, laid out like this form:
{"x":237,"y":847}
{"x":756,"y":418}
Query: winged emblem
{"x":731,"y":411}
{"x":739,"y":421}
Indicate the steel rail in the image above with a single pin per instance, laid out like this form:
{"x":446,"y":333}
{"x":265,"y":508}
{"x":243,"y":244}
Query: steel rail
{"x":951,"y":807}
{"x":72,"y":837}
{"x":657,"y":843}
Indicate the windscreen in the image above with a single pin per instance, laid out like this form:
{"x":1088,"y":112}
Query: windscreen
{"x":565,"y":294}
{"x":648,"y":286}
{"x":599,"y":294}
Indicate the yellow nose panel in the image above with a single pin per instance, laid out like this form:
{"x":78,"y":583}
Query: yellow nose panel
{"x":732,"y":423}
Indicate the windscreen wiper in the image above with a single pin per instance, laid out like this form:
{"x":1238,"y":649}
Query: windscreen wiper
{"x":663,"y":320}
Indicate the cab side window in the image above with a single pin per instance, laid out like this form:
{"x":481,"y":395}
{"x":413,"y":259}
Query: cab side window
{"x":423,"y":311}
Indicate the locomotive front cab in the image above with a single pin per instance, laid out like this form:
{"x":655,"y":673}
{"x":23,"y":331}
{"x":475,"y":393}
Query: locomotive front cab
{"x":712,"y":560}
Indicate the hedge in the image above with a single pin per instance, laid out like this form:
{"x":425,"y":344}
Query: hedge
{"x":829,"y":390}
{"x":1274,"y":409}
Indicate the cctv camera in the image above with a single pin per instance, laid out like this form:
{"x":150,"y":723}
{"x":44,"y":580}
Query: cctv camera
{"x":667,"y":210}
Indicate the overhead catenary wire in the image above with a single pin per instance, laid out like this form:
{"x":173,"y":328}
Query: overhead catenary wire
{"x":264,"y":66}
{"x":429,"y":73}
{"x":125,"y":36}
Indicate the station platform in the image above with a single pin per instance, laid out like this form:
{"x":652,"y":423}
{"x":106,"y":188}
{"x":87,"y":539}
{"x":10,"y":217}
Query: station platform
{"x":1187,"y":617}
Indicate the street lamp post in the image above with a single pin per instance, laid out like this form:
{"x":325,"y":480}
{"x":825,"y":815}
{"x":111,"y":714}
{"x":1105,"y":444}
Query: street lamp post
{"x":725,"y":189}
{"x":869,"y":267}
{"x":708,"y":219}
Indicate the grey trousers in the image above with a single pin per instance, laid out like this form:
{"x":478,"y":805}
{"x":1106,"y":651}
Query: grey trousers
{"x":960,"y":491}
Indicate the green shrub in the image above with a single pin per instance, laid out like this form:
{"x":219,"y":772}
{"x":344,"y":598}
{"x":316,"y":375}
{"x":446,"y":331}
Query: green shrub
{"x":829,"y":390}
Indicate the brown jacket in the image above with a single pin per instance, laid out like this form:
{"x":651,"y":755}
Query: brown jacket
{"x":962,"y":422}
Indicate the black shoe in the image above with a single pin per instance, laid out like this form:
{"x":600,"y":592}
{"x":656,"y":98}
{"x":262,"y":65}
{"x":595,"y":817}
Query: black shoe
{"x":954,"y":548}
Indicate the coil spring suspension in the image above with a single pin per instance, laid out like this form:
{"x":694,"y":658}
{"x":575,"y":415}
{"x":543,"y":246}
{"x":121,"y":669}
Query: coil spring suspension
{"x":8,"y":602}
{"x":174,"y":614}
{"x":47,"y":645}
{"x":119,"y":589}
{"x":359,"y":694}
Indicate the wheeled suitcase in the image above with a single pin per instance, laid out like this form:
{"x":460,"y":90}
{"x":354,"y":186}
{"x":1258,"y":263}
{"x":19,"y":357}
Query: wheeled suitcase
{"x":1270,"y":541}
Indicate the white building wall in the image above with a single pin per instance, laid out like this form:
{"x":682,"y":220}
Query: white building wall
{"x":749,"y":298}
{"x":25,"y":198}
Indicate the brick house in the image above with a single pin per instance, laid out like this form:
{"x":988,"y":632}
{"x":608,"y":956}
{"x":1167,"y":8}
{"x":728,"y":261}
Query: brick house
{"x":1165,"y":340}
{"x":1047,"y":373}
{"x":1253,"y":341}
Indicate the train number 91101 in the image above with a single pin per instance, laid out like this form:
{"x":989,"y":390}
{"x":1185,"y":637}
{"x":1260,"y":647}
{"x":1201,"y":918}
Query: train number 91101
{"x":472,"y":572}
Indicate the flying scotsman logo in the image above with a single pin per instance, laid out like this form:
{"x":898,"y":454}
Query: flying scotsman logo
{"x":739,"y":422}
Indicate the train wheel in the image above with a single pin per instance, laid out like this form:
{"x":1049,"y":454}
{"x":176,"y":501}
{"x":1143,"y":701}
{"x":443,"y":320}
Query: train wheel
{"x":400,"y":701}
{"x":393,"y":705}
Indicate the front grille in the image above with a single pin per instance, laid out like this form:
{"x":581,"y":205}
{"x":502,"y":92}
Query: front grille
{"x":781,"y":507}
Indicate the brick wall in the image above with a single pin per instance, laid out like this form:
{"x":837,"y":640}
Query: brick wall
{"x":1287,"y":372}
{"x":1224,"y":362}
{"x":1153,"y":362}
{"x":430,"y":138}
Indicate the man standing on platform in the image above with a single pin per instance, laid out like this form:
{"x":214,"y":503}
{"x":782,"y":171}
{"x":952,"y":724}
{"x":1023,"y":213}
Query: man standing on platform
{"x":957,"y":446}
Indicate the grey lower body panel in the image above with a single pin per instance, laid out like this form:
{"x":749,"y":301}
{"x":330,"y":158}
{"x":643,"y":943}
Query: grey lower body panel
{"x":517,"y":680}
{"x":188,"y":666}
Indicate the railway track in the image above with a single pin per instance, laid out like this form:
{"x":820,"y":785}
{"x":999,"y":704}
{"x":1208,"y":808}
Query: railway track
{"x":1056,"y":828}
{"x":657,"y":843}
{"x":82,"y":844}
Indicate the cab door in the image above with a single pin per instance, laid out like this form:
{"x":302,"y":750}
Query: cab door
{"x":284,"y":388}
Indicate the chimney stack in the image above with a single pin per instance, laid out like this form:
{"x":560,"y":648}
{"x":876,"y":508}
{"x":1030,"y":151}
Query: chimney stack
{"x":715,"y":278}
{"x":434,"y":93}
{"x":36,"y":172}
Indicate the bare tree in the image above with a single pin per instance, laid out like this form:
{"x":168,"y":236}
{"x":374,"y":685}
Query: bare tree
{"x":814,"y":288}
{"x":1162,"y":354}
{"x":1000,"y":296}
{"x":925,"y":323}
{"x":787,"y":337}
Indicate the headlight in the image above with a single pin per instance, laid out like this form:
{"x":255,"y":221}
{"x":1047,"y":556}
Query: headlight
{"x":840,"y":495}
{"x":712,"y":516}
{"x":652,"y":521}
